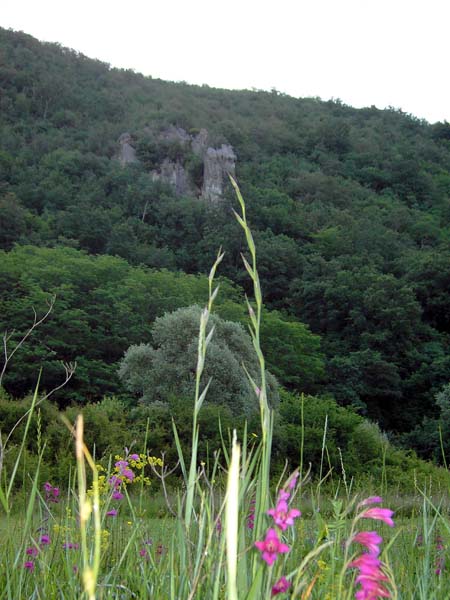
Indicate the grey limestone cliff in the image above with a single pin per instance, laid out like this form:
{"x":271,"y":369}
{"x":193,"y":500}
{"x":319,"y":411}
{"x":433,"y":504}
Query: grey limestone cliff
{"x":218,"y":163}
{"x":174,"y":174}
{"x":127,"y":154}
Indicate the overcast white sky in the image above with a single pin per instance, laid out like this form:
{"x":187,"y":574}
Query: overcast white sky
{"x":381,"y":52}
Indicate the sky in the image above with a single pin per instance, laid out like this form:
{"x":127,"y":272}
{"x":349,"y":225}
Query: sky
{"x":364,"y":52}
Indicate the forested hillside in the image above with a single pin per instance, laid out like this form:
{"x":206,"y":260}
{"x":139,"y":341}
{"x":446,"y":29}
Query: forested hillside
{"x":350,"y":211}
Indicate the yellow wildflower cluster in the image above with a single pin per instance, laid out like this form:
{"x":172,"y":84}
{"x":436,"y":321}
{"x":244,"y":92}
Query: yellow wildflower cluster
{"x":127,"y":470}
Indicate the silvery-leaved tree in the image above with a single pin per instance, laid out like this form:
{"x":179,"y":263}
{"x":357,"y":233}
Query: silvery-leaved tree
{"x":155,"y":372}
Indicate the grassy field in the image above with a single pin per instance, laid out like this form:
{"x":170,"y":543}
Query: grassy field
{"x":148,"y":556}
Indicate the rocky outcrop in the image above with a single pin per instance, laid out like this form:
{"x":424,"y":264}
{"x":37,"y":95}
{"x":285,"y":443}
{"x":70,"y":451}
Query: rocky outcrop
{"x":199,"y":143}
{"x":182,"y":151}
{"x":176,"y":134}
{"x":174,"y":174}
{"x":217,"y":165}
{"x":127,"y":154}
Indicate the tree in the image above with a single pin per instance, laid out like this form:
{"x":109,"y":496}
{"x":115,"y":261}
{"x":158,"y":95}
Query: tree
{"x":292,"y":352}
{"x":167,"y":367}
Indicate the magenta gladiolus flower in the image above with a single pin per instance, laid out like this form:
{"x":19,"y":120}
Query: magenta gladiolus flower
{"x":112,"y":513}
{"x":380,"y":514}
{"x":33,"y":551}
{"x":370,"y":577}
{"x":29,"y":565}
{"x":367,"y":563}
{"x":370,"y":539}
{"x":373,"y":592}
{"x":48,"y":487}
{"x":271,"y":547}
{"x":281,"y":586}
{"x":371,"y":500}
{"x":283,"y":495}
{"x":45,"y":540}
{"x":293,"y":482}
{"x":282,"y":516}
{"x":117,"y":495}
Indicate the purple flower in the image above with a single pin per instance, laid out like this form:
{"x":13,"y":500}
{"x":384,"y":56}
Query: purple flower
{"x":115,"y":481}
{"x":29,"y":565}
{"x":282,"y":516}
{"x":71,"y":546}
{"x":134,"y":456}
{"x":370,"y":539}
{"x":371,"y":500}
{"x":112,"y":513}
{"x":293,"y":482}
{"x":32,"y":551}
{"x":45,"y":540}
{"x":281,"y":586}
{"x":283,"y":495}
{"x":121,"y":464}
{"x":439,"y":543}
{"x":51,"y":493}
{"x":370,"y":577}
{"x":381,"y":514}
{"x":128,"y":474}
{"x":117,"y":495}
{"x":271,"y":547}
{"x":143,"y":552}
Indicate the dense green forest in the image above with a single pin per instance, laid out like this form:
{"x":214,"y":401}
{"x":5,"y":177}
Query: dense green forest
{"x":350,"y":210}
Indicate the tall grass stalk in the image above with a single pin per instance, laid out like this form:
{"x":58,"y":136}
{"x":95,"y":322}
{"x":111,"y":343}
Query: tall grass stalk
{"x":203,"y":340}
{"x":232,"y":519}
{"x":266,"y":415}
{"x":91,"y":557}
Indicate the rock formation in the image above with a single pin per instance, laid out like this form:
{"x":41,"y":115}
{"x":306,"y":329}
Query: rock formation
{"x":127,"y":154}
{"x":174,"y":174}
{"x":218,"y":163}
{"x":199,"y":143}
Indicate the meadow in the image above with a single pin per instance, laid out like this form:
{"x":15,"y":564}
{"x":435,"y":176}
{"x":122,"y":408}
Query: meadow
{"x":124,"y":527}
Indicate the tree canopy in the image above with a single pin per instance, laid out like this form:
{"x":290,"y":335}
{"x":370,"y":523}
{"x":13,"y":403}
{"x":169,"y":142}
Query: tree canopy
{"x":166,"y":367}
